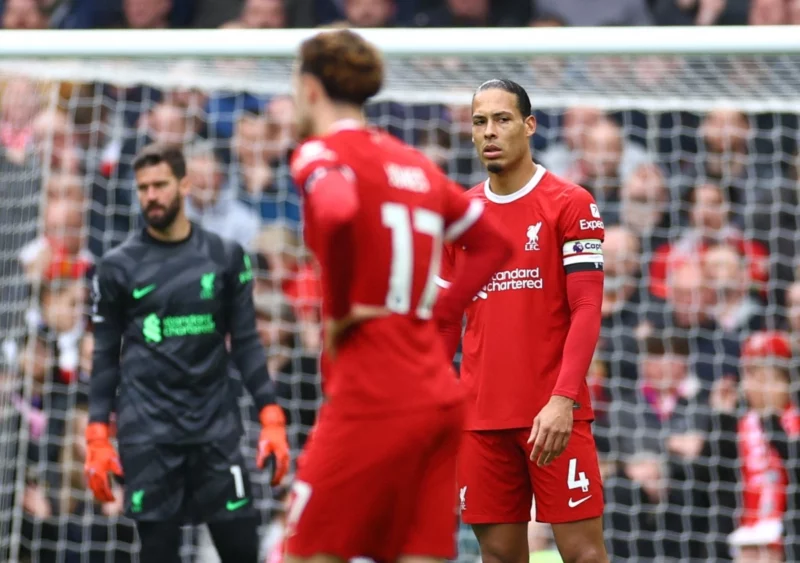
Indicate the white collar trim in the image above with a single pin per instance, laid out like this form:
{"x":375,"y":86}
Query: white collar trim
{"x":522,"y":192}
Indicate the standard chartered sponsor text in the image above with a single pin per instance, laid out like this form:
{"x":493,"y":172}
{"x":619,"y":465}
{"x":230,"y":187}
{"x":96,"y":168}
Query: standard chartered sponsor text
{"x":188,"y":325}
{"x":519,"y":278}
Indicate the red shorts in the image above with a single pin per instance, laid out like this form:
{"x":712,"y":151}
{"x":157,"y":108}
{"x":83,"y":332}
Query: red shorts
{"x":497,"y":481}
{"x":378,"y":488}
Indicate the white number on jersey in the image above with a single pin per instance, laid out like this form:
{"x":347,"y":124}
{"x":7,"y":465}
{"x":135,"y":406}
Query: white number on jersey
{"x":403,"y":222}
{"x":238,"y":481}
{"x":576,"y":480}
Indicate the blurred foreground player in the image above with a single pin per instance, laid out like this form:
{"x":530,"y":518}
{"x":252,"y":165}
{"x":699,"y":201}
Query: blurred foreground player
{"x":165,"y":301}
{"x":529,"y":340}
{"x":378,"y":475}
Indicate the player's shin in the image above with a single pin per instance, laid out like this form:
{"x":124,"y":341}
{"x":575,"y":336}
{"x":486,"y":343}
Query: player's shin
{"x":236,"y":540}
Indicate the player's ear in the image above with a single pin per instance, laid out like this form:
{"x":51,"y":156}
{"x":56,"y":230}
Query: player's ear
{"x":312,"y":87}
{"x":530,"y":125}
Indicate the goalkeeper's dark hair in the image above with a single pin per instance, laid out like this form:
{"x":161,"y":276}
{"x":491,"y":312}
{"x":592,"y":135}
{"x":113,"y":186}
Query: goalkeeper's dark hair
{"x":348,"y":66}
{"x":523,"y":100}
{"x":156,"y":153}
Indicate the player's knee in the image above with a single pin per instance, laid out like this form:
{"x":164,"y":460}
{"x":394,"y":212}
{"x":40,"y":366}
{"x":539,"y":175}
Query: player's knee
{"x":589,"y":554}
{"x":501,"y":545}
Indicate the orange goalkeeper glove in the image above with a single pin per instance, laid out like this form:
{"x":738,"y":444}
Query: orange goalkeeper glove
{"x":272,"y":442}
{"x":101,"y":459}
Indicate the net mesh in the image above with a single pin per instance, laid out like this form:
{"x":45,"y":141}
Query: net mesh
{"x":693,"y":161}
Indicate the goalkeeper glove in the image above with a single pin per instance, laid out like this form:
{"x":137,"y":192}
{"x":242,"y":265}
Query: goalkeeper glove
{"x":101,"y":459}
{"x":272,"y":442}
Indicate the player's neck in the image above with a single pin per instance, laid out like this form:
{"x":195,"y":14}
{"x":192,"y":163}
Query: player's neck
{"x":179,"y":230}
{"x":512,"y":180}
{"x":340,"y":116}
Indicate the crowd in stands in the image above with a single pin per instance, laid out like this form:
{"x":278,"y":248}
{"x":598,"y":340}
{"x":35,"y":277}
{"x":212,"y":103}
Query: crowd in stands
{"x":695,"y":384}
{"x":143,"y":14}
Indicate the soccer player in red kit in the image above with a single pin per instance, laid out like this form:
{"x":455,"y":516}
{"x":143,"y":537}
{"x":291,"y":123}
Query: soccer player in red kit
{"x":528,"y":343}
{"x":378,"y":477}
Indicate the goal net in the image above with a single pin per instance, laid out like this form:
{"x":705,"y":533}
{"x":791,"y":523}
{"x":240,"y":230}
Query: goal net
{"x":687,"y":138}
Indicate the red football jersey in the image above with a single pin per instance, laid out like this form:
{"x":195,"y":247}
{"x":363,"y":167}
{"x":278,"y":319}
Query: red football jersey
{"x":407,"y":208}
{"x":516,"y":327}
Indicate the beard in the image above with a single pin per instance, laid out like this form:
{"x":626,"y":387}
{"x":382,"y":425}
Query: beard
{"x":167,"y":218}
{"x":494,"y":167}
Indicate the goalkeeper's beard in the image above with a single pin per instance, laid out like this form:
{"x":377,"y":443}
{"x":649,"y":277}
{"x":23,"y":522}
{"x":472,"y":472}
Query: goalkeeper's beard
{"x":167,"y":218}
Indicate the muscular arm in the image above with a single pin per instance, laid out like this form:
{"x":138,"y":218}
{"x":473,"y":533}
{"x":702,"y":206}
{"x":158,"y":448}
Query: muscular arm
{"x":585,"y":296}
{"x":246,"y":348}
{"x":333,"y":204}
{"x":108,"y":330}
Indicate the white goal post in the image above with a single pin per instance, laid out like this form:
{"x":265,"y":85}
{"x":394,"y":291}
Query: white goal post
{"x":96,"y":96}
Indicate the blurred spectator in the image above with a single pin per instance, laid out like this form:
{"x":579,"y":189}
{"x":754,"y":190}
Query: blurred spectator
{"x":209,"y":14}
{"x":620,"y":288}
{"x":688,"y":311}
{"x":54,"y":141}
{"x":147,"y":14}
{"x":476,"y":13}
{"x":735,"y":308}
{"x":369,"y":13}
{"x":167,"y":123}
{"x":657,"y":431}
{"x":645,"y":206}
{"x":291,"y":273}
{"x":259,"y":171}
{"x":212,"y":207}
{"x":580,"y":129}
{"x":23,"y":14}
{"x":61,"y":251}
{"x":259,"y":14}
{"x":793,"y":314}
{"x":19,"y":103}
{"x":590,"y":13}
{"x":709,"y":225}
{"x":774,"y":12}
{"x":700,"y":12}
{"x":762,"y":443}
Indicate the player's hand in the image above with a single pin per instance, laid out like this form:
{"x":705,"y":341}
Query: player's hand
{"x":101,"y":459}
{"x":337,"y":329}
{"x":273,"y":443}
{"x":551,"y":430}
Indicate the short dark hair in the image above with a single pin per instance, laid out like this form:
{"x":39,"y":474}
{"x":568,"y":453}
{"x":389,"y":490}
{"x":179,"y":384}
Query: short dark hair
{"x":523,"y":100}
{"x":349,"y":67}
{"x":156,"y":153}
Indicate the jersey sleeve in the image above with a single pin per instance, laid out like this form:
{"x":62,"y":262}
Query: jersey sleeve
{"x":583,"y":233}
{"x":108,"y":295}
{"x":311,"y":161}
{"x":460,"y":212}
{"x":246,"y":349}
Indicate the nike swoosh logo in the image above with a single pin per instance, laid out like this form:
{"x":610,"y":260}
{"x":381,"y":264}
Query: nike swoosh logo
{"x":140,"y":292}
{"x":574,"y":503}
{"x":236,"y":504}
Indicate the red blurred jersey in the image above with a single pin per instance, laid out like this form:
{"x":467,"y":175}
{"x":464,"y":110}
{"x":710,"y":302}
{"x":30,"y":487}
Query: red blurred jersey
{"x":516,"y":327}
{"x":407,"y":209}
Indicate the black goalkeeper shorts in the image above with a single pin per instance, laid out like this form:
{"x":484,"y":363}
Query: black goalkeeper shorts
{"x":191,"y":483}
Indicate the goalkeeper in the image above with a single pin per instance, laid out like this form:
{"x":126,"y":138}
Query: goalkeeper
{"x":169,"y":303}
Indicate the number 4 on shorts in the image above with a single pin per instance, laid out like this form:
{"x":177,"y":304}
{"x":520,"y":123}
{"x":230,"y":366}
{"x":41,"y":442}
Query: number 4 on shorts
{"x":576,"y":480}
